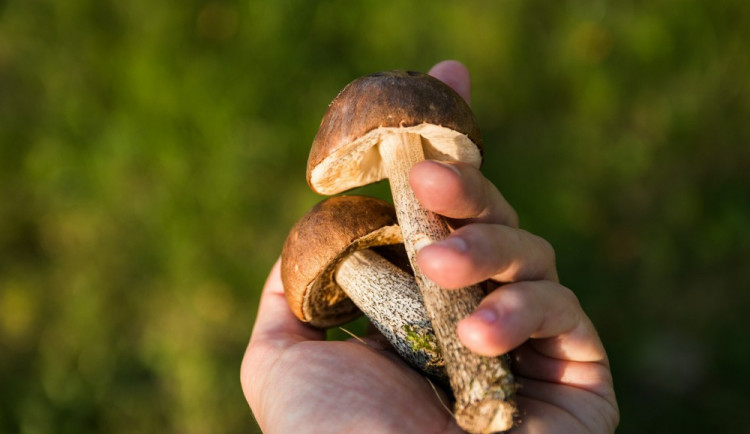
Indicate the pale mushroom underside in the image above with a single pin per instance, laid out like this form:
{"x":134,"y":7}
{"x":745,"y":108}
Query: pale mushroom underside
{"x":358,"y":163}
{"x":325,"y":304}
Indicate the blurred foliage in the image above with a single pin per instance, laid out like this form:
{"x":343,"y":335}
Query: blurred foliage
{"x":152,"y":158}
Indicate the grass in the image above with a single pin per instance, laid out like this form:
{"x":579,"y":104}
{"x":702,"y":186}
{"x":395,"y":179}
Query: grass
{"x":152,"y":159}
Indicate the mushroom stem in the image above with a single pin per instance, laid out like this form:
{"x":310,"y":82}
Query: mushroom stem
{"x":391,"y":300}
{"x":483,"y":386}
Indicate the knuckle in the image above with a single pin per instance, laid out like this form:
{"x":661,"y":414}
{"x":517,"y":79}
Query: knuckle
{"x":569,"y":295}
{"x":548,"y":251}
{"x":512,"y":218}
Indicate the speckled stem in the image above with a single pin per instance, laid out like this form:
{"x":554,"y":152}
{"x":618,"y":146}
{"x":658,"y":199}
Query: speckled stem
{"x":483,"y":386}
{"x":391,"y":300}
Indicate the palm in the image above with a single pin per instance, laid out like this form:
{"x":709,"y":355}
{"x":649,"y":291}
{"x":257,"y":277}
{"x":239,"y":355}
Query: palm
{"x":346,"y":386}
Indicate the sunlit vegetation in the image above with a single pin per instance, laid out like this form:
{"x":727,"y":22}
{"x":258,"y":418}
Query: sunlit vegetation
{"x":152,"y":159}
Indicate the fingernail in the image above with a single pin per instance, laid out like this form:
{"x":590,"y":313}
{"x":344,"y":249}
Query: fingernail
{"x":450,"y":166}
{"x":487,"y":316}
{"x":454,"y":243}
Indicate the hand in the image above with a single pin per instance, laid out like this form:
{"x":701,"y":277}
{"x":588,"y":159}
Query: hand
{"x":295,"y":381}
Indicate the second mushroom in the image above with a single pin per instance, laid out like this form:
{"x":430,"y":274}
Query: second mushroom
{"x":340,"y":258}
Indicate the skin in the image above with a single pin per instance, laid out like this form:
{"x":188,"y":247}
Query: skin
{"x":296,"y":381}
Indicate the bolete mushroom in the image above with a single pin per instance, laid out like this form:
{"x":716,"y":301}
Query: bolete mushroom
{"x":380,"y":126}
{"x":331,"y":271}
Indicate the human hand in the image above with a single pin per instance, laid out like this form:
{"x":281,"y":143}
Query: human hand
{"x":295,"y":380}
{"x":558,"y":358}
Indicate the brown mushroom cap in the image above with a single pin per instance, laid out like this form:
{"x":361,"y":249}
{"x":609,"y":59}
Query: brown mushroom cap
{"x":345,"y":154}
{"x":319,"y":241}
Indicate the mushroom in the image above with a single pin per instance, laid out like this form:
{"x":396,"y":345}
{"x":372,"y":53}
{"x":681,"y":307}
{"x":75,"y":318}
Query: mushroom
{"x":331,"y":271}
{"x":380,"y":126}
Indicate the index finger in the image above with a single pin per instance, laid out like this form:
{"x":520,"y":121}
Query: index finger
{"x":459,"y":191}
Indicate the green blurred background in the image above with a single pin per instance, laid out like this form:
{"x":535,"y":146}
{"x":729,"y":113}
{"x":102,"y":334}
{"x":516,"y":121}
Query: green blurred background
{"x":152,"y":159}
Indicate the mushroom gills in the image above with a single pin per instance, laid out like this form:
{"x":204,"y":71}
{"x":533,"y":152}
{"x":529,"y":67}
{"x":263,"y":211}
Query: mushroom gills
{"x":359,"y":162}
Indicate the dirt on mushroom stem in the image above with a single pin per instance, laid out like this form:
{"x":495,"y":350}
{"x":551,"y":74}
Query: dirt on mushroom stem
{"x":332,"y":273}
{"x":483,"y":387}
{"x":390,"y":298}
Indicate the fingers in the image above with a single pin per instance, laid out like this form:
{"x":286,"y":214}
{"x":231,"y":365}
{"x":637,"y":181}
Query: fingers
{"x":592,"y":376}
{"x":460,"y":191}
{"x":543,"y":417}
{"x":478,"y":252}
{"x":275,"y":320}
{"x":576,"y":409}
{"x":555,"y":408}
{"x":491,"y":247}
{"x":544,"y":311}
{"x":455,"y":75}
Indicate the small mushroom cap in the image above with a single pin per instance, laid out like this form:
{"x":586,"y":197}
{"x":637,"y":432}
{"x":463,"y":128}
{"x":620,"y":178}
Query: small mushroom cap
{"x":319,"y":241}
{"x":345,"y":152}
